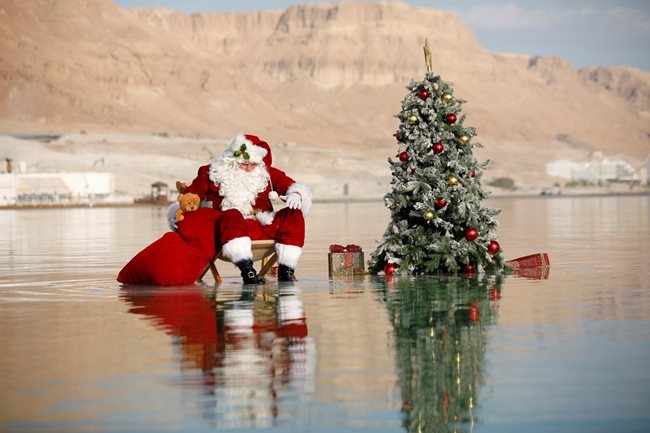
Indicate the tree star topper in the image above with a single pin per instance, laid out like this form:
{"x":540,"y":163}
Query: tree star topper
{"x":427,"y":55}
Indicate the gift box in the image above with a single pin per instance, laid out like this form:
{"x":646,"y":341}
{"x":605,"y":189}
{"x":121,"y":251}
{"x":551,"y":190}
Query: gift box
{"x":532,"y":261}
{"x":539,"y":273}
{"x":534,"y":266}
{"x":346,"y":261}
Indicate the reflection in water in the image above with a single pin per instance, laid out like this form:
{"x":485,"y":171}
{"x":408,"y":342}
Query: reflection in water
{"x":439,"y":327}
{"x":250,"y":349}
{"x":570,"y":353}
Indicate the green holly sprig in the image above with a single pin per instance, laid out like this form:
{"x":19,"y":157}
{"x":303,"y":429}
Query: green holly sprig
{"x":242,"y":152}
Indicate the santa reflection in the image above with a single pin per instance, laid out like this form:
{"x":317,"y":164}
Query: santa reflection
{"x":440,"y":333}
{"x":247,"y":351}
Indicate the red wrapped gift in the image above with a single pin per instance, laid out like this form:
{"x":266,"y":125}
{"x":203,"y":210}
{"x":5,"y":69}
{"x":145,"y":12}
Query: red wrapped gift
{"x":539,"y":273}
{"x":346,"y":260}
{"x":532,"y":261}
{"x":534,"y":266}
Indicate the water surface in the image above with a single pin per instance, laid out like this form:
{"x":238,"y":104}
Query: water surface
{"x":563,"y":351}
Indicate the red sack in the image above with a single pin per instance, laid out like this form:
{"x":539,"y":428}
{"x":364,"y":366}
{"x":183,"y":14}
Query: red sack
{"x":175,"y":258}
{"x":183,"y":311}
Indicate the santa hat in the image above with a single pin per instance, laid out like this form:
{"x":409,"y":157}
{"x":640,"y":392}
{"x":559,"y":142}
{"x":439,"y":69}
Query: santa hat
{"x":249,"y":148}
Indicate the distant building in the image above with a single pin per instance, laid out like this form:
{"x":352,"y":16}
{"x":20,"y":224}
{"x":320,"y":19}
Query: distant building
{"x":599,"y":169}
{"x":7,"y":189}
{"x":159,"y":192}
{"x":59,"y":189}
{"x":644,"y":172}
{"x":564,"y":169}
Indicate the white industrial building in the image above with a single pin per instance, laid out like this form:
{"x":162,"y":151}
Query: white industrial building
{"x":599,"y":169}
{"x":644,"y":172}
{"x":59,"y":189}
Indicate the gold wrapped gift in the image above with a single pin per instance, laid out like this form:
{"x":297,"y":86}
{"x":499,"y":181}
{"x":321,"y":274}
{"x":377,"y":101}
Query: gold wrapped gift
{"x":346,"y":264}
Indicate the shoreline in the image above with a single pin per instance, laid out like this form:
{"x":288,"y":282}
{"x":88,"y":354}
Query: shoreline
{"x":331,"y":200}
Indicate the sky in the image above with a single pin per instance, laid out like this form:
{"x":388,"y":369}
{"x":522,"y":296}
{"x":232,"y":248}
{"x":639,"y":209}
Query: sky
{"x":584,"y":32}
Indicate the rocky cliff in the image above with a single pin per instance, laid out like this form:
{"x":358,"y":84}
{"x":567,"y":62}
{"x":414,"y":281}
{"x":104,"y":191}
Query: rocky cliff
{"x":631,"y":84}
{"x":319,"y":75}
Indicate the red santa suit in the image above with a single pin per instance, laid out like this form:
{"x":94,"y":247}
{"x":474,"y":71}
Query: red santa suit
{"x":245,"y":197}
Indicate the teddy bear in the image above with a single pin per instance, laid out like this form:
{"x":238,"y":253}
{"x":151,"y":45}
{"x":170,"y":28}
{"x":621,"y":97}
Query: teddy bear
{"x":189,"y":202}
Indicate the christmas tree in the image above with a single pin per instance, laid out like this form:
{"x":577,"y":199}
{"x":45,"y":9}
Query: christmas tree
{"x":437,"y":222}
{"x":440,"y":335}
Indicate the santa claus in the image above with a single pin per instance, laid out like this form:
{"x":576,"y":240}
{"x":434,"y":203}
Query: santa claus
{"x":241,"y":183}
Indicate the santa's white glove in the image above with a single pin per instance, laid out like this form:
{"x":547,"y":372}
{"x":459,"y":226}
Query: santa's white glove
{"x":171,"y":216}
{"x":293,"y":201}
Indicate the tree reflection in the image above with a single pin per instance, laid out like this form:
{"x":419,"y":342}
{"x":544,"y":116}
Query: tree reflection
{"x":249,"y":348}
{"x":439,"y":327}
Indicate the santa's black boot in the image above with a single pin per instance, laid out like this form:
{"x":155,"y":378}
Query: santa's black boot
{"x":248,"y":272}
{"x":285,"y":273}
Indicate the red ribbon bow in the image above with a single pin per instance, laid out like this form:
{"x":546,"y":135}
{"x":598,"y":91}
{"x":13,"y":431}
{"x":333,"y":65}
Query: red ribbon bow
{"x":350,"y":248}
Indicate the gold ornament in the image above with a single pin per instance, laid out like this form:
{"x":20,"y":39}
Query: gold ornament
{"x":413,"y":119}
{"x":464,"y":138}
{"x":452,"y":181}
{"x":447,"y":98}
{"x":429,"y":215}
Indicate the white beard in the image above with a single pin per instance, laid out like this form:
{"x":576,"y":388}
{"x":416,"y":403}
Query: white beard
{"x":238,"y":188}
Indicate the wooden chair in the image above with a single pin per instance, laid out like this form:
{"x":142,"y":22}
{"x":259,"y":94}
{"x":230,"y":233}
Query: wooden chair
{"x":263,"y":250}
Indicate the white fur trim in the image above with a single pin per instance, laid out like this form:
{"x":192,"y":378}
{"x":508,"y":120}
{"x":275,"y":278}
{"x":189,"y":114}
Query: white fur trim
{"x":238,"y":320}
{"x":255,"y":152}
{"x":290,"y":308}
{"x":305,"y":193}
{"x":288,"y":255}
{"x":273,"y":195}
{"x":238,"y":249}
{"x":265,"y":218}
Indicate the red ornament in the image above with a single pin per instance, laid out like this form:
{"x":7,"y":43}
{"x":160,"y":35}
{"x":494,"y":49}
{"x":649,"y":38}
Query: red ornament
{"x":493,"y":247}
{"x":471,"y":234}
{"x":423,"y":94}
{"x":473,"y":314}
{"x":438,"y":147}
{"x":468,"y":269}
{"x":441,"y":202}
{"x":495,"y":294}
{"x":446,"y":405}
{"x":451,"y":118}
{"x":398,"y":137}
{"x":389,"y":269}
{"x":403,"y":156}
{"x":472,"y":173}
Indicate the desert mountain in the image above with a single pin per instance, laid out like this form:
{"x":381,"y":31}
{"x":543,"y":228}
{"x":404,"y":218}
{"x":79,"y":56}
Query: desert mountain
{"x":322,"y":76}
{"x":631,"y":84}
